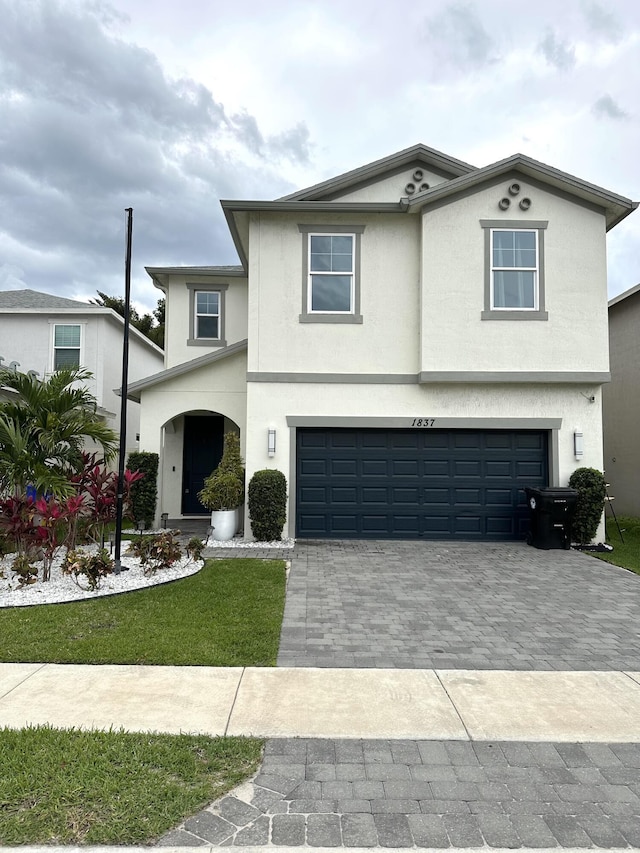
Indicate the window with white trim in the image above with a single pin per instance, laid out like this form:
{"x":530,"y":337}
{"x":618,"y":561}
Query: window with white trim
{"x":514,"y":270}
{"x":331,"y":273}
{"x":207,"y":318}
{"x":207,"y":314}
{"x":66,"y":346}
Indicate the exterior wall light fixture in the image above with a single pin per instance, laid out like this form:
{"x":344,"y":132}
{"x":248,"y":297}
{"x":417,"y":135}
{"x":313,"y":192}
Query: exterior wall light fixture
{"x":578,"y":443}
{"x":271,"y":442}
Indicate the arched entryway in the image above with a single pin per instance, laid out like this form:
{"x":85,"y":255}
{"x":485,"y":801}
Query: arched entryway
{"x":192,"y":445}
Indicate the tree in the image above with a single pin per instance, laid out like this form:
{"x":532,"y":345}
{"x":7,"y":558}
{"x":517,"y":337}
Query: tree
{"x":43,"y":430}
{"x":151,"y":325}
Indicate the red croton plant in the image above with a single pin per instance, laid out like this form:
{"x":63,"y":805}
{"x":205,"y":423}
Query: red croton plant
{"x":39,"y":527}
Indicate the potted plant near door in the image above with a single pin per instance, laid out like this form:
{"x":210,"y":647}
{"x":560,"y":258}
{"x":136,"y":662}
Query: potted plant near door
{"x":223,"y":490}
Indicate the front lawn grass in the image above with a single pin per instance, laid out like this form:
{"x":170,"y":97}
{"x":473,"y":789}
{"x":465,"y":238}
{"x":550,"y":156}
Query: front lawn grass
{"x":76,"y":787}
{"x":228,"y":614}
{"x":627,"y":553}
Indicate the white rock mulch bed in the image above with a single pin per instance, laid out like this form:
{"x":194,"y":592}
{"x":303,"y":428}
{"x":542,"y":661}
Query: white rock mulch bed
{"x":241,"y":543}
{"x":64,"y":588}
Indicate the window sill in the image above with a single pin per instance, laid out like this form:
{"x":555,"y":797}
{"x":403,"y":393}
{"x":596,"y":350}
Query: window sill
{"x":330,"y":318}
{"x":205,"y":342}
{"x":514,"y":315}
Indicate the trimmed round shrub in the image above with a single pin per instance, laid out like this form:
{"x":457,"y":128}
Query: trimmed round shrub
{"x":591,"y":487}
{"x":267,"y":497}
{"x":144,"y":492}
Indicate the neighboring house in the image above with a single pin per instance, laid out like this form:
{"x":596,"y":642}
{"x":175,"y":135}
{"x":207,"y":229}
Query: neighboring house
{"x":40,"y":332}
{"x":412,"y":343}
{"x":621,"y":403}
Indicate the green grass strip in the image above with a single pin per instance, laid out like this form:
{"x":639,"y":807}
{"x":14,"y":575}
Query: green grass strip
{"x":627,"y":553}
{"x":76,"y":787}
{"x":229,"y":614}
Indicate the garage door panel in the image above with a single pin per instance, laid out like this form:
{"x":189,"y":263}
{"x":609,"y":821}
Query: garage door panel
{"x":435,"y":484}
{"x":499,"y":441}
{"x":469,"y":525}
{"x":343,"y":467}
{"x":498,"y":497}
{"x":341,"y":495}
{"x":374,"y":468}
{"x":314,"y":467}
{"x":375,"y":523}
{"x":437,"y":524}
{"x":435,"y":468}
{"x":405,"y":468}
{"x":436,"y":497}
{"x":499,"y":525}
{"x":402,"y":495}
{"x":530,"y":441}
{"x":317,"y":495}
{"x":375,"y":495}
{"x":499,"y":469}
{"x":467,"y":468}
{"x":529,"y":470}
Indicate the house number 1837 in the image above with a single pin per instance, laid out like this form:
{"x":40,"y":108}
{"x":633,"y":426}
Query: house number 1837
{"x":423,"y":422}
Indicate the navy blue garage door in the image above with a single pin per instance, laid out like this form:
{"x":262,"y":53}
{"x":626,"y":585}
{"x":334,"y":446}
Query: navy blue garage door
{"x":406,"y":484}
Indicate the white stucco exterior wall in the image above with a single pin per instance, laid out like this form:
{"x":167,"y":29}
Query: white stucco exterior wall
{"x":177,"y":328}
{"x":453,"y":335}
{"x":387,"y":339}
{"x":29,"y":338}
{"x":393,"y":188}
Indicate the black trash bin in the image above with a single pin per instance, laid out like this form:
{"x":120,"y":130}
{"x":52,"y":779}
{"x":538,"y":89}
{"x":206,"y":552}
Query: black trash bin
{"x":551,"y":514}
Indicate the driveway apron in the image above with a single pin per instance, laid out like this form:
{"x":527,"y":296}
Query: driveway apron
{"x":457,"y":605}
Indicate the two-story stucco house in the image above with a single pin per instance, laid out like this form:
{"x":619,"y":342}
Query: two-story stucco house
{"x":622,"y":403}
{"x":41,"y":332}
{"x":412,"y":343}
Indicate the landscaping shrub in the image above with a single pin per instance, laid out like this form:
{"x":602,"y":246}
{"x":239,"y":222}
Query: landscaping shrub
{"x":591,"y":487}
{"x":144,"y":493}
{"x":224,"y":487}
{"x":156,"y":552}
{"x":268,"y":504}
{"x":92,"y":567}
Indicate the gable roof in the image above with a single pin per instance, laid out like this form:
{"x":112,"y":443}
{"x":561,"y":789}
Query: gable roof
{"x":614,"y":206}
{"x":35,"y":300}
{"x":417,"y":155}
{"x":622,"y":296}
{"x":134,"y":389}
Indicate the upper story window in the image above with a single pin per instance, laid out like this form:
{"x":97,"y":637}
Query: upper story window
{"x":207,"y":321}
{"x":514,"y":270}
{"x":331,"y":274}
{"x":207,"y":314}
{"x":66,"y":346}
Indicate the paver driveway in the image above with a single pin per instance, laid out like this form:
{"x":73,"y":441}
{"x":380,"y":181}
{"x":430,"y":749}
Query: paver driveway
{"x":457,"y":605}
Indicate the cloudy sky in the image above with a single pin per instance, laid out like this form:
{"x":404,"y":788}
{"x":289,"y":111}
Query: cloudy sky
{"x":169,"y":106}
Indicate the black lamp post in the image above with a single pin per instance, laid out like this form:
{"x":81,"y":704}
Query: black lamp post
{"x":123,"y":397}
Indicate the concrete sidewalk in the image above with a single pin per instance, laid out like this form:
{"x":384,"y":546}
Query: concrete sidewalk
{"x":364,"y":759}
{"x":327,"y":703}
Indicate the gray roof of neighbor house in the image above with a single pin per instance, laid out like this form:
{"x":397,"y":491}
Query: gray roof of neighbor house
{"x":625,"y":295}
{"x":36,"y":300}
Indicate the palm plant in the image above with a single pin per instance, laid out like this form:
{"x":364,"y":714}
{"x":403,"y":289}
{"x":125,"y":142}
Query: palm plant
{"x":43,"y":430}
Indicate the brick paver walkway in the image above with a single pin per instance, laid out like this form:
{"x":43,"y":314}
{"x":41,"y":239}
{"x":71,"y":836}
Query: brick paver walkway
{"x":458,"y":605}
{"x":329,"y":793}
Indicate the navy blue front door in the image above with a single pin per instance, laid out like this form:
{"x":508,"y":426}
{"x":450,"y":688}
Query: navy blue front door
{"x":203,"y":440}
{"x":417,"y":483}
